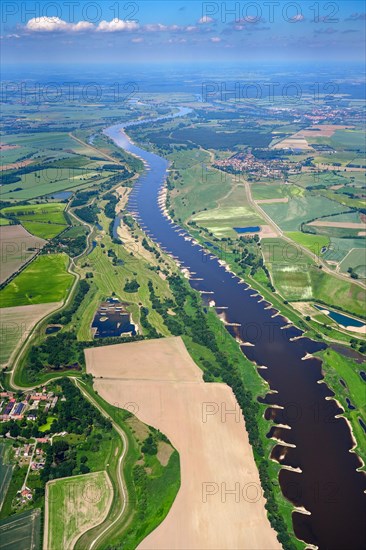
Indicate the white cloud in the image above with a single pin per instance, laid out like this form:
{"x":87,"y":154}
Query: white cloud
{"x":117,"y":25}
{"x":55,"y":24}
{"x":137,"y":40}
{"x":205,"y":19}
{"x":82,"y":26}
{"x":47,"y":24}
{"x":215,"y":39}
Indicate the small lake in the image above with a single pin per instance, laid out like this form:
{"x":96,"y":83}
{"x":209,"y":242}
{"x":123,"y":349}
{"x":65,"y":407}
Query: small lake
{"x":254,"y":229}
{"x":341,"y":318}
{"x":112,"y":320}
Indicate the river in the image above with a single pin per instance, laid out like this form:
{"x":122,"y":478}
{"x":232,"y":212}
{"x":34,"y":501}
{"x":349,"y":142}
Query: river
{"x":316,"y":442}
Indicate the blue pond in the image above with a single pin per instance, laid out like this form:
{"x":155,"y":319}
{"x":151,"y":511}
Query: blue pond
{"x":341,"y":319}
{"x":253,"y":229}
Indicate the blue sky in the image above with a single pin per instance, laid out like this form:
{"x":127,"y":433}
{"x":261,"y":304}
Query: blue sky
{"x":83,"y":31}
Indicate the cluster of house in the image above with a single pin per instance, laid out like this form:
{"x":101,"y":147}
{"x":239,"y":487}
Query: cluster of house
{"x":264,"y":168}
{"x":13,"y":409}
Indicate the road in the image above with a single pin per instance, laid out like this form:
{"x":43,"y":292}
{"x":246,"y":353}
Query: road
{"x":120,"y":477}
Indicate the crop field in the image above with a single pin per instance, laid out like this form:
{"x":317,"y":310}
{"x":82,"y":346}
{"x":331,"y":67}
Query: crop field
{"x":298,"y":210}
{"x":45,"y":280}
{"x":339,"y":248}
{"x":357,"y":260}
{"x":345,"y":217}
{"x":222,"y":220}
{"x":16,"y":324}
{"x":168,"y":387}
{"x":348,"y":139}
{"x":297,"y":278}
{"x":75,"y":505}
{"x":310,"y":179}
{"x":17,"y":247}
{"x":21,"y":531}
{"x":314,"y":243}
{"x":263,"y":191}
{"x":42,"y":220}
{"x":5,"y":473}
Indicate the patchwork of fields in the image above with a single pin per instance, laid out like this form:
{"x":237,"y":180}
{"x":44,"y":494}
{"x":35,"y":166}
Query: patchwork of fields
{"x":43,"y":220}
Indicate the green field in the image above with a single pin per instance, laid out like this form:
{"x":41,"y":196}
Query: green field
{"x":339,"y":248}
{"x":74,"y":505}
{"x":42,"y":220}
{"x":44,"y":280}
{"x":222,"y":220}
{"x":297,"y":278}
{"x":357,"y":260}
{"x":314,"y":243}
{"x":263,"y":191}
{"x":47,"y":426}
{"x":289,"y":216}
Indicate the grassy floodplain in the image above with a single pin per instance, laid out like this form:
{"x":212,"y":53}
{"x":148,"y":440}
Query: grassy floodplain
{"x":336,"y":368}
{"x":44,"y":280}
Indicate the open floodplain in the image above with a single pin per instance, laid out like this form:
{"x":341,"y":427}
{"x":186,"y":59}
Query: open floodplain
{"x":204,"y":423}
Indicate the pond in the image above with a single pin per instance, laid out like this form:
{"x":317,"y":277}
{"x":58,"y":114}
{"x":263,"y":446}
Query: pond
{"x":112,"y":320}
{"x":341,"y":318}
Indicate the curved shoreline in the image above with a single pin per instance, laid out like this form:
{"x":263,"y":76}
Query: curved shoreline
{"x":157,"y":193}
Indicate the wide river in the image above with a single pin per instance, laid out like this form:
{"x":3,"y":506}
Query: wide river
{"x":317,"y":444}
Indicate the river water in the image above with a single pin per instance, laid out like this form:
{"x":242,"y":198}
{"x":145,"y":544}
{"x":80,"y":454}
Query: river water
{"x":316,"y":442}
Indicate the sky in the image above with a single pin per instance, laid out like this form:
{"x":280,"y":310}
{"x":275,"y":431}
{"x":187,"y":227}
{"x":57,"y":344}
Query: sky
{"x":158,"y":31}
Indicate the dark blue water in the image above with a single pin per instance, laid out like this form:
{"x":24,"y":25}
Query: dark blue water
{"x":329,"y":487}
{"x":253,"y":229}
{"x":340,"y":318}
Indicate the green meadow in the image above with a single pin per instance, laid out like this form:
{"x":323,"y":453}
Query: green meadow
{"x":45,"y":280}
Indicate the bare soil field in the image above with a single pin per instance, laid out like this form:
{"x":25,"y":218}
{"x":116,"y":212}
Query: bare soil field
{"x":16,"y":165}
{"x":344,"y":225}
{"x":17,"y":247}
{"x":8,"y":147}
{"x":220,"y":502}
{"x":267,"y":232}
{"x":16,"y":323}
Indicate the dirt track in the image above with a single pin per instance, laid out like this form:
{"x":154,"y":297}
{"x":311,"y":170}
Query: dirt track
{"x":220,"y":503}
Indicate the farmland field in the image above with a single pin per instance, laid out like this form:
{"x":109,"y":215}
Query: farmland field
{"x":169,"y":389}
{"x":21,"y":531}
{"x":262,"y":191}
{"x":16,"y":324}
{"x":289,"y":216}
{"x":222,"y":220}
{"x":339,"y":248}
{"x":17,"y":248}
{"x":357,"y":260}
{"x":43,"y":220}
{"x":314,"y":243}
{"x":297,"y":278}
{"x":75,"y":505}
{"x":45,"y":280}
